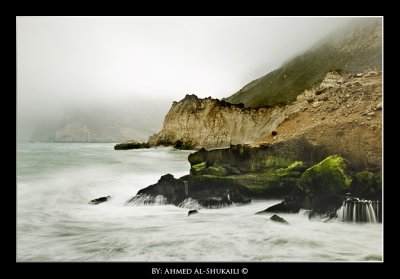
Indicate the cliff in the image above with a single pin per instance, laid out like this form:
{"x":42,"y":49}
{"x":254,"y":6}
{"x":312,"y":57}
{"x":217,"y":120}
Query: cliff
{"x":213,"y":123}
{"x":341,"y":115}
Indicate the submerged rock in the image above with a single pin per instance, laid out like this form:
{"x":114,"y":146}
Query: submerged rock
{"x":191,"y":212}
{"x":283,"y":207}
{"x":278,"y":219}
{"x":100,"y":200}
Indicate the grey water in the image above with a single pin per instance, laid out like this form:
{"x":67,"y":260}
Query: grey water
{"x":55,"y":182}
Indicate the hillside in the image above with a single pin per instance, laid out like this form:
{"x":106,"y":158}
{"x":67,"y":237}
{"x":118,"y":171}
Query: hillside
{"x":348,"y":50}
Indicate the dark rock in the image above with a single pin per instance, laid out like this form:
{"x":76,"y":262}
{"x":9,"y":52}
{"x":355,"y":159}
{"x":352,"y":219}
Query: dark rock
{"x":100,"y":200}
{"x":274,"y":133}
{"x":367,"y":185}
{"x":278,"y":219}
{"x":131,"y":145}
{"x":325,"y":203}
{"x":198,"y":157}
{"x":182,"y":145}
{"x":247,"y":159}
{"x":209,"y":192}
{"x":191,"y":212}
{"x":283,"y":207}
{"x":167,"y":178}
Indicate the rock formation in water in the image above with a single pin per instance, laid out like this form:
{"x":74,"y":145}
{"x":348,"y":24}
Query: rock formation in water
{"x":191,"y":212}
{"x":286,"y":206}
{"x":207,"y":192}
{"x":100,"y":200}
{"x":131,"y":144}
{"x":278,"y":219}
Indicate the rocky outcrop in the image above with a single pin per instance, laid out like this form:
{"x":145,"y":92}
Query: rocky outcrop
{"x":318,"y":184}
{"x":208,"y":192}
{"x":246,"y":158}
{"x":131,"y":144}
{"x":100,"y":200}
{"x":212,"y":123}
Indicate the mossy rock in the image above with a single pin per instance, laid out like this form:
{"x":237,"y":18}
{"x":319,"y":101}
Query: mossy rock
{"x":298,"y":166}
{"x":198,"y":157}
{"x":267,"y":184}
{"x":198,"y":168}
{"x":326,"y":177}
{"x":293,"y":170}
{"x":214,"y":170}
{"x":284,"y":172}
{"x":277,"y":162}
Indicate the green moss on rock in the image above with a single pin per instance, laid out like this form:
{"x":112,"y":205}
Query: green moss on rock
{"x":297,"y":166}
{"x":277,"y":162}
{"x":214,"y":170}
{"x":328,"y":176}
{"x":196,"y":169}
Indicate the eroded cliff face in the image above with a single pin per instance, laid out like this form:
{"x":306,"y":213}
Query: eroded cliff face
{"x":212,"y":123}
{"x":341,"y":115}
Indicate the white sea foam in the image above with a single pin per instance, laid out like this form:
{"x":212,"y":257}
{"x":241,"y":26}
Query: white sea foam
{"x":56,"y":223}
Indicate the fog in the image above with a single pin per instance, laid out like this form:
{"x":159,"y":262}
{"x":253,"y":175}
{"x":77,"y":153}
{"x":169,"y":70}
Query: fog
{"x":147,"y":62}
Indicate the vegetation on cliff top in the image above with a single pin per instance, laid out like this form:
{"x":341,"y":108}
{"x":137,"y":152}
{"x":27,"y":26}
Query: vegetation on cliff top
{"x":354,"y":50}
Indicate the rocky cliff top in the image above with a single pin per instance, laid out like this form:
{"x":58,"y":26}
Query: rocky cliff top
{"x":349,"y":50}
{"x":212,"y":123}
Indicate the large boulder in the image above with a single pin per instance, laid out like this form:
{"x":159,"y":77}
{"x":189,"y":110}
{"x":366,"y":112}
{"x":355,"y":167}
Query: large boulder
{"x":325,"y":184}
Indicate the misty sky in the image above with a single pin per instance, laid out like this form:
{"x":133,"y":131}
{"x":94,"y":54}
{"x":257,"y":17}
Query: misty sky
{"x":144,"y":60}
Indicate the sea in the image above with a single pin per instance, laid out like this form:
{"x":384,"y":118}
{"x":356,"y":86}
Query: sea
{"x":56,"y":223}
